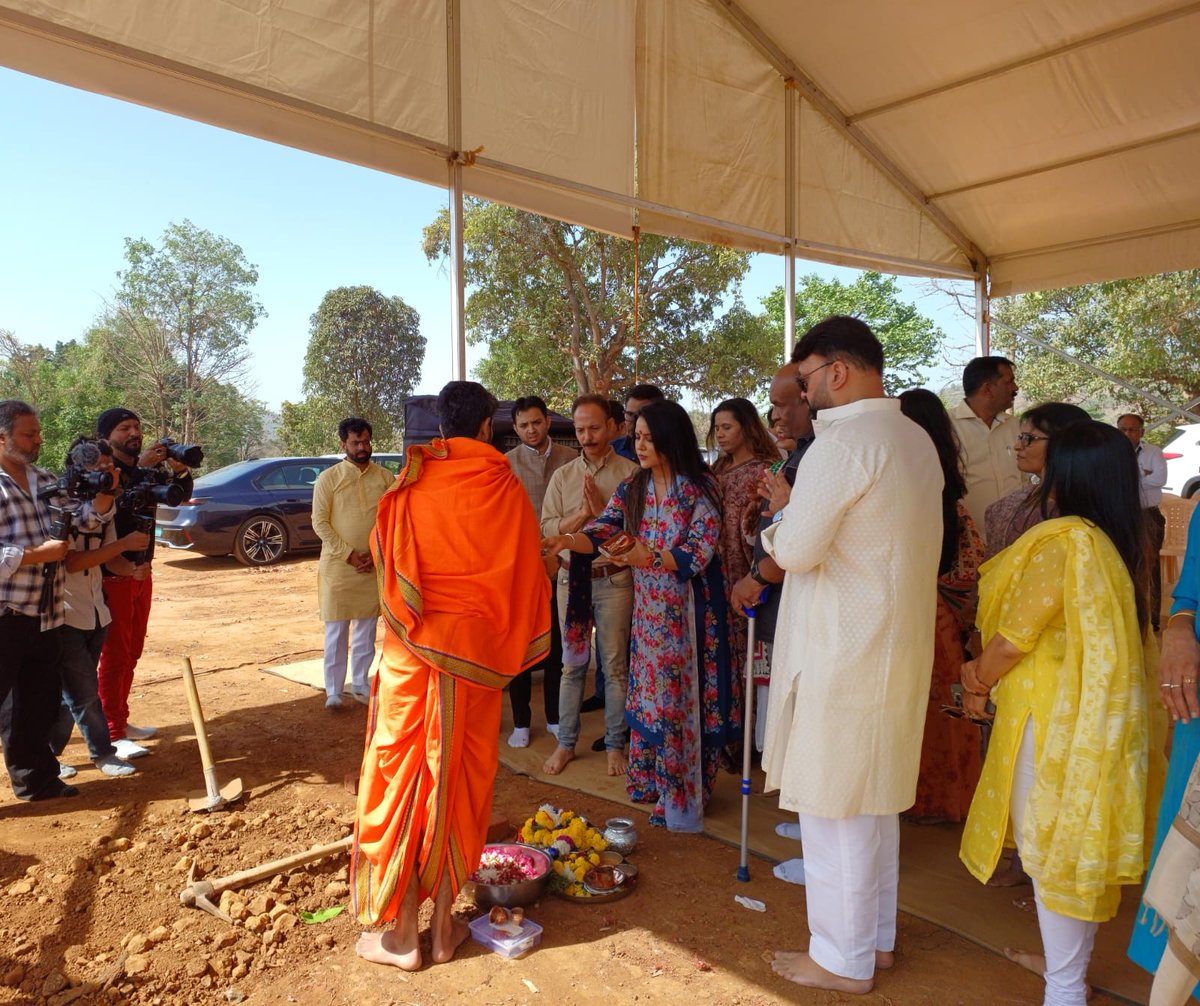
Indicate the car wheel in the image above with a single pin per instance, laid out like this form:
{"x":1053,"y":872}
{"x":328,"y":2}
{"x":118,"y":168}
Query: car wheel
{"x":260,"y":541}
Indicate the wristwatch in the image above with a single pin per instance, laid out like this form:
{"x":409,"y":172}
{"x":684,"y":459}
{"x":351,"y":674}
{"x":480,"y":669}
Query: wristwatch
{"x":658,"y":561}
{"x":756,"y":576}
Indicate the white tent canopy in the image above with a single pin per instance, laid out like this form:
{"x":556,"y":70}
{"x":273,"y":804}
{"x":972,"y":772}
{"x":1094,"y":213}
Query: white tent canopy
{"x":1040,"y":143}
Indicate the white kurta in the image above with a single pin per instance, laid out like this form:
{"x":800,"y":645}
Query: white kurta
{"x":345,"y":499}
{"x":859,"y":541}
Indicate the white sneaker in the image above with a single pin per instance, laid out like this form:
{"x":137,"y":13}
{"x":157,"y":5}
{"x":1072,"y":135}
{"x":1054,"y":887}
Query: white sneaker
{"x":333,"y":702}
{"x":552,"y":730}
{"x":67,"y":771}
{"x":139,"y":733}
{"x":127,"y":749}
{"x":362,"y":698}
{"x":114,"y":766}
{"x":519,"y":738}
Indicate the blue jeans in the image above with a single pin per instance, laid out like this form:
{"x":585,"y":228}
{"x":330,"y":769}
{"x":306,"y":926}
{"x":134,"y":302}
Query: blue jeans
{"x":612,"y":612}
{"x":80,"y":700}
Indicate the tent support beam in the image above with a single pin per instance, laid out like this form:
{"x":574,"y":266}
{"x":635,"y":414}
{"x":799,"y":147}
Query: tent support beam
{"x":1131,"y":27}
{"x":458,"y":331}
{"x":818,"y":250}
{"x":789,"y":70}
{"x":1169,"y":406}
{"x":983,"y":316}
{"x":789,"y":218}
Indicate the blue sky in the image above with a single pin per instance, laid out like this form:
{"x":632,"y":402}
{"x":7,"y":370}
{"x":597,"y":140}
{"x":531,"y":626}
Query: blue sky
{"x":82,"y":172}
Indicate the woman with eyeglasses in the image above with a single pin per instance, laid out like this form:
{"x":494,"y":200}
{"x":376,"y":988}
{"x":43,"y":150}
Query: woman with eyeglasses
{"x":1064,"y":614}
{"x":664,"y":522}
{"x":1011,"y":516}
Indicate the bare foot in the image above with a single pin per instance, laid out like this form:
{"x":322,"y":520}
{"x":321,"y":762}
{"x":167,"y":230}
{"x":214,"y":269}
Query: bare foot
{"x":1037,"y":964}
{"x":1027,"y":905}
{"x":617,"y":763}
{"x":447,"y":940}
{"x":386,"y":948}
{"x":558,"y":761}
{"x":1013,"y":875}
{"x":798,"y":967}
{"x":885,"y":960}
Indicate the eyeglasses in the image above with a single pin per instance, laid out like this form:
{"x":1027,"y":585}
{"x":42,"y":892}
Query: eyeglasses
{"x":1025,"y":439}
{"x":802,"y":379}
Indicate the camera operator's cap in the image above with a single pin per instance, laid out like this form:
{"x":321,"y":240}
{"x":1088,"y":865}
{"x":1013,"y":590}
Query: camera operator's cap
{"x":110,"y":419}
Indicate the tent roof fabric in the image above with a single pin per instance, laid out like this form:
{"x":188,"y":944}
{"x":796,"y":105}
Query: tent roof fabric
{"x":1049,"y":144}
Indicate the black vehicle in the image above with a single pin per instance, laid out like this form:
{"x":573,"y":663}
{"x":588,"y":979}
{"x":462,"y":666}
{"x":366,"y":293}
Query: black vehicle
{"x":258,"y":511}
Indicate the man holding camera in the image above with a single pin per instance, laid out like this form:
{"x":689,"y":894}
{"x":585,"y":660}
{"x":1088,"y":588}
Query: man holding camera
{"x":128,"y":582}
{"x":31,"y":606}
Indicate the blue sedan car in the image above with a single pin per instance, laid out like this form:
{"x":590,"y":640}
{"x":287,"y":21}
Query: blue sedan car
{"x":258,"y":511}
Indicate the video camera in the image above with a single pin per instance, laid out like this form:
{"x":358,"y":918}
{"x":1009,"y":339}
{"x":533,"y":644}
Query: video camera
{"x":79,"y":481}
{"x":146,"y":488}
{"x":191,"y":455}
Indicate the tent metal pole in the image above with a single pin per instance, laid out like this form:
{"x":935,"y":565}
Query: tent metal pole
{"x":789,"y":213}
{"x":983,"y":314}
{"x":458,"y":332}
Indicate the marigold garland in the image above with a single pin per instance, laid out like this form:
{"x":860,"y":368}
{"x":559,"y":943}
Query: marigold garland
{"x":572,"y":842}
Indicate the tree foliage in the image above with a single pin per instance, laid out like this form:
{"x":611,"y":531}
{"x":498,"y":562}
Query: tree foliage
{"x":910,"y":340}
{"x":182,"y":314}
{"x":553,"y":302}
{"x":1146,"y":331}
{"x":363,"y":359}
{"x":171,"y":346}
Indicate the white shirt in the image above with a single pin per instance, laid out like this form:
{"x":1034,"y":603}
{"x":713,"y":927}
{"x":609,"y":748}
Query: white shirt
{"x":859,"y":542}
{"x":1152,"y":467}
{"x":83,"y":591}
{"x":988,"y":458}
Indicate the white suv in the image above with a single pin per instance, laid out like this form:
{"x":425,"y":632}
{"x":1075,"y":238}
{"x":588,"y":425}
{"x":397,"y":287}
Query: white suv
{"x":1183,"y":462}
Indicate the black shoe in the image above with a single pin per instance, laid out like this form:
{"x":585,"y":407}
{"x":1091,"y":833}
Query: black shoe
{"x":598,"y":744}
{"x":592,"y":704}
{"x":55,"y":789}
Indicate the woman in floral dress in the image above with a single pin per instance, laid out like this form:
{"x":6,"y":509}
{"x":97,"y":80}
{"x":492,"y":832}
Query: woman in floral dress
{"x":679,"y":701}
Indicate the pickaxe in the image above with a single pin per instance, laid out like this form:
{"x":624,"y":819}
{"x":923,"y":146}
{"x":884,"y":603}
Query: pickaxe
{"x":205,"y":893}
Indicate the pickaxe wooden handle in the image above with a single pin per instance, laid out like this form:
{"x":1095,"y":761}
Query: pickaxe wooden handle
{"x":200,"y":891}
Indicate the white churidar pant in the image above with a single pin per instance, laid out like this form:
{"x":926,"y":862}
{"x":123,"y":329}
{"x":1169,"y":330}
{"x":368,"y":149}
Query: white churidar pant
{"x":361,"y":632}
{"x":1067,"y":942}
{"x":852,"y":867}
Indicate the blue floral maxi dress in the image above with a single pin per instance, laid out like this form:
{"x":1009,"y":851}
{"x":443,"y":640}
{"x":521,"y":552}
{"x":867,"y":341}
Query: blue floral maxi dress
{"x":679,"y":703}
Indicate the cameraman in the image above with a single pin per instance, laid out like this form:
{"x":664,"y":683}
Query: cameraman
{"x":87,"y":621}
{"x":31,"y":606}
{"x":128,"y":584}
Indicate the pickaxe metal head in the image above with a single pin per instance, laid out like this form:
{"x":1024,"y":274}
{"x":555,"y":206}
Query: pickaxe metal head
{"x":199,"y":894}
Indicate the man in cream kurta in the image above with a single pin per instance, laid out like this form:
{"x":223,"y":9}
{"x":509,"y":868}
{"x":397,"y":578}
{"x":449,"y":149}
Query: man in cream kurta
{"x":345,"y":499}
{"x":859,"y":543}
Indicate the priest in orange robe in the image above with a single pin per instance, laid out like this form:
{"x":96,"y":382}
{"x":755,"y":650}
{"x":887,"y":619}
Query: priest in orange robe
{"x":465,"y":598}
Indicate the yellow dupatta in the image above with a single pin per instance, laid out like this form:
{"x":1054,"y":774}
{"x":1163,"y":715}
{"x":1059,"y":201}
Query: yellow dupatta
{"x":1063,"y":596}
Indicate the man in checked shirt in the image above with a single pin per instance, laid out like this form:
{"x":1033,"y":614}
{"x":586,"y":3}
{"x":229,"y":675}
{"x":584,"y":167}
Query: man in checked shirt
{"x":30,"y":613}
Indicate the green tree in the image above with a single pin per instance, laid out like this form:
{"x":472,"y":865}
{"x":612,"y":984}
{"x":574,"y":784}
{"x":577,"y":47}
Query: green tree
{"x":1145,"y":331}
{"x":363,"y":359}
{"x":553,"y":302}
{"x":910,"y":340}
{"x":180,"y":320}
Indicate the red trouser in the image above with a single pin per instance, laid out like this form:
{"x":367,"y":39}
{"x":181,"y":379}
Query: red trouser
{"x":129,"y":604}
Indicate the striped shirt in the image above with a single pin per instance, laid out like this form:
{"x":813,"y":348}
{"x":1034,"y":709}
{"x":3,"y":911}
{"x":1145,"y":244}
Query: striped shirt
{"x":26,"y":522}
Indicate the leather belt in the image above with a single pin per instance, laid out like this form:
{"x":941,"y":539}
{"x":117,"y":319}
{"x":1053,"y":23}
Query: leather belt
{"x":599,"y":569}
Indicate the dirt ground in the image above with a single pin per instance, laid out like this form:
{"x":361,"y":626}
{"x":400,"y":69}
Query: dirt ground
{"x":89,"y":887}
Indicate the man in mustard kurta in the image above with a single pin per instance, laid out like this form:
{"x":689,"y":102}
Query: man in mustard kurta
{"x":345,"y":499}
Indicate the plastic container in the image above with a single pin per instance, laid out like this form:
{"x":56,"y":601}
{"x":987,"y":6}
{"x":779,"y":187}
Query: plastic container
{"x":501,"y":939}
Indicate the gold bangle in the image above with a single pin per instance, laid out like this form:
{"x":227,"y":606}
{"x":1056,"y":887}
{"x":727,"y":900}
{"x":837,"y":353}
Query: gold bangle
{"x":1181,"y":614}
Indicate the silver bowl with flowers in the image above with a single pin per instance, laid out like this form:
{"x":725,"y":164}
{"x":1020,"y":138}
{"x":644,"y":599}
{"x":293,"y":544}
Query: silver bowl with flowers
{"x":511,"y":873}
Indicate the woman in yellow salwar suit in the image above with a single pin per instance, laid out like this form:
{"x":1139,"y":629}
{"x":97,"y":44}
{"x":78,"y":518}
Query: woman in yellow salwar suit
{"x":1063,"y":613}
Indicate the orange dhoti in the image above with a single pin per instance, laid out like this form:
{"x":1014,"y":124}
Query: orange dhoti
{"x":432,"y":758}
{"x":463,"y":618}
